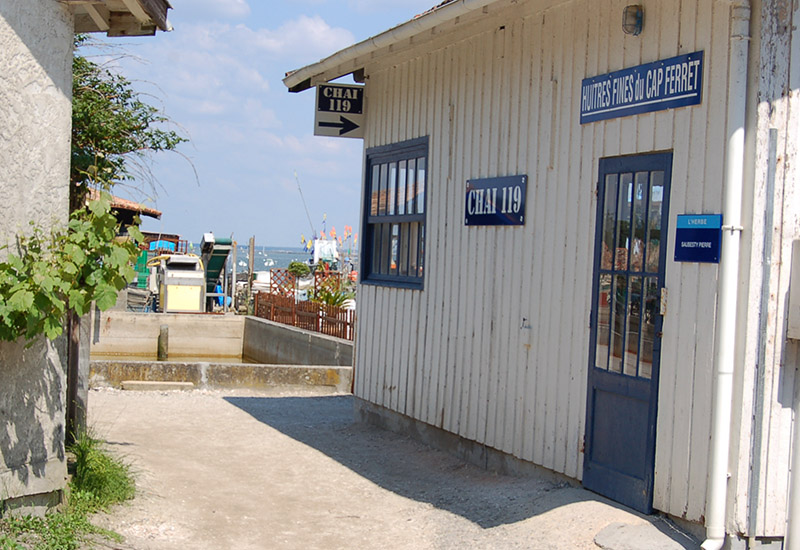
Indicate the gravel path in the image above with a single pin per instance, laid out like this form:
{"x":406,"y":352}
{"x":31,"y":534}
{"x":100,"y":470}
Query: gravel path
{"x":239,"y":470}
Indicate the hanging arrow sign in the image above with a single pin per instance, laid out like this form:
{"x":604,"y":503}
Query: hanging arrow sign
{"x":345,"y":125}
{"x":340,"y":111}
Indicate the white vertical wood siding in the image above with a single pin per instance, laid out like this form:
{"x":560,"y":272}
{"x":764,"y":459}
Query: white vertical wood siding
{"x":501,"y":97}
{"x":770,"y":362}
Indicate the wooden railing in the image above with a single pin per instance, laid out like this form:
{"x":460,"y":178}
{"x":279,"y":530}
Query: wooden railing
{"x":330,"y":320}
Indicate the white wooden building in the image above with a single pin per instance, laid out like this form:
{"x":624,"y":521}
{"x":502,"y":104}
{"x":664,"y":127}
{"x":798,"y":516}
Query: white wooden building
{"x":565,"y":332}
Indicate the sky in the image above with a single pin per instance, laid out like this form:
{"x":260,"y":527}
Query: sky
{"x":218,"y":76}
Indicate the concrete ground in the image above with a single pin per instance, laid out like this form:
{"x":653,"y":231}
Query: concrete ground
{"x":289,"y":469}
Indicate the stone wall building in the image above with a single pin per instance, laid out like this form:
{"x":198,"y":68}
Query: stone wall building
{"x":36,"y":47}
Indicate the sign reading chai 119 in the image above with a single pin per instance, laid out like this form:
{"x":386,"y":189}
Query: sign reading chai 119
{"x":496,"y":201}
{"x":666,"y":84}
{"x":340,"y":111}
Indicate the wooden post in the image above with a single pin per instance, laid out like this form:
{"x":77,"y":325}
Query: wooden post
{"x":234,"y":303}
{"x":73,"y":366}
{"x":163,"y":343}
{"x":251,"y":264}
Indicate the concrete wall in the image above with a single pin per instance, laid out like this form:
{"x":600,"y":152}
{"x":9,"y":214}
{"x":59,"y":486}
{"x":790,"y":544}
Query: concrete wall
{"x":269,"y":342}
{"x":35,"y":118}
{"x":136,"y":334}
{"x":221,"y":375}
{"x":35,"y":113}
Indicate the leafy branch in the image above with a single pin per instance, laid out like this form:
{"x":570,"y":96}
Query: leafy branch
{"x":65,"y":270}
{"x":113,"y":129}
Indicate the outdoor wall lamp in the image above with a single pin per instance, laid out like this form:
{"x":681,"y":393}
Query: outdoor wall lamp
{"x":633,"y":19}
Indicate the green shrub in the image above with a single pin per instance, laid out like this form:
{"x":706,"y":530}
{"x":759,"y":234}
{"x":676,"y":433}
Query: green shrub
{"x":299,"y":269}
{"x":331,"y":297}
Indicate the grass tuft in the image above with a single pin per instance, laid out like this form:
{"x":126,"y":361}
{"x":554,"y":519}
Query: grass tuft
{"x":100,"y":481}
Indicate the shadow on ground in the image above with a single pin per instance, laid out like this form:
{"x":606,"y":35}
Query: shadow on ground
{"x":410,"y":469}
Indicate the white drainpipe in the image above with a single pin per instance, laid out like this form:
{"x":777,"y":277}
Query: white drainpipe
{"x":793,"y":517}
{"x":728,"y":277}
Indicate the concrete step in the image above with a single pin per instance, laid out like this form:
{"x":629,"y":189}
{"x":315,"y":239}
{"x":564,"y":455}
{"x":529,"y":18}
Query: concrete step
{"x":142,"y":385}
{"x":644,"y":536}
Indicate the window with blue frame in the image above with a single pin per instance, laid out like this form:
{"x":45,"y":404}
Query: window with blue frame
{"x":393,"y":251}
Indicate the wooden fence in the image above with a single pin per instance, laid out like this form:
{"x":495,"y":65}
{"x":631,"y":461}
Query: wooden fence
{"x":281,"y":306}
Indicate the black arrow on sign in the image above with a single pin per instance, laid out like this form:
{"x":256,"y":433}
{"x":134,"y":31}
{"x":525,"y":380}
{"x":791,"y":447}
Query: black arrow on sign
{"x":345,"y":125}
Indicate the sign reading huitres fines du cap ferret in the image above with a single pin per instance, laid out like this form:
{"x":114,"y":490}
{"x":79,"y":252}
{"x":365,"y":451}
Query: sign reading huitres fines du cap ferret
{"x":666,"y":84}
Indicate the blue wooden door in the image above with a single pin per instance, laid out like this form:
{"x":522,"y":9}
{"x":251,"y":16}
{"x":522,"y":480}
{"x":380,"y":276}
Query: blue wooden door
{"x":625,"y":343}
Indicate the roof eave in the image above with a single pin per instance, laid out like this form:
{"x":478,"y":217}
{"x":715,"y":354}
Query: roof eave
{"x":122,"y":18}
{"x":341,"y":62}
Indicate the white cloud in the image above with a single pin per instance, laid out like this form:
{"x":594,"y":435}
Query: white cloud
{"x":203,"y":9}
{"x":303,"y":38}
{"x":378,"y":6}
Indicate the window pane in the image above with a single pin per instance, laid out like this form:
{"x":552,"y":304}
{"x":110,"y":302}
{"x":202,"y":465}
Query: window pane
{"x":651,"y":311}
{"x":603,"y":317}
{"x":617,"y":325}
{"x":421,"y":256}
{"x":412,"y":186}
{"x":386,"y":247}
{"x":384,"y":191}
{"x":421,"y":185}
{"x":375,"y":190}
{"x":376,"y":247}
{"x":391,"y":208}
{"x":640,"y":193}
{"x":654,"y":221}
{"x":403,"y":266}
{"x":401,"y":187}
{"x":395,"y":259}
{"x":632,"y":326}
{"x":624,"y":222}
{"x":413,"y":248}
{"x":609,"y":213}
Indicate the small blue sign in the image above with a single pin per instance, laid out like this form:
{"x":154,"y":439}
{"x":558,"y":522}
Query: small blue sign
{"x":698,"y":237}
{"x":666,"y":84}
{"x":496,"y":201}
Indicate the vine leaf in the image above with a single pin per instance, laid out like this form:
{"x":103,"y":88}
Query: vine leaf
{"x":21,"y":299}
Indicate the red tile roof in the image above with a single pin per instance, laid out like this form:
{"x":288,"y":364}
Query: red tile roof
{"x":118,"y":203}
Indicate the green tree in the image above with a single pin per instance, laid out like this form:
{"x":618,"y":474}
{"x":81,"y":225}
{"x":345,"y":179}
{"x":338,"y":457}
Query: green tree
{"x":113,"y":129}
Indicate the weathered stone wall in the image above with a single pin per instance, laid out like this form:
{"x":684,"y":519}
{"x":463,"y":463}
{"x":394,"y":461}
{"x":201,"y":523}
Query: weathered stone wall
{"x":32,"y":404}
{"x":35,"y":97}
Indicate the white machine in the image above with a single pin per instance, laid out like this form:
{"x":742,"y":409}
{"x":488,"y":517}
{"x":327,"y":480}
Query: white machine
{"x":181,"y":284}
